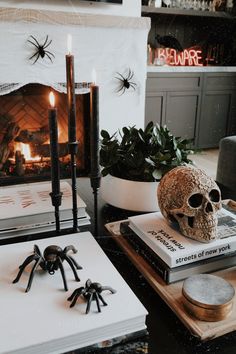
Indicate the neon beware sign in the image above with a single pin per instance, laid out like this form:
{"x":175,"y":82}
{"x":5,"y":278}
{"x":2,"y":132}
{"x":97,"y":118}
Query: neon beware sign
{"x":188,"y":57}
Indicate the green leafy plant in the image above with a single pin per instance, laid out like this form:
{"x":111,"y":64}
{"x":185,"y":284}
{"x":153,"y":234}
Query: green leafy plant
{"x":142,"y":155}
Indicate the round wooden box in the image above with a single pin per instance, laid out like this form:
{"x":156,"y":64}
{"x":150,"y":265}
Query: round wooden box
{"x":208,"y":297}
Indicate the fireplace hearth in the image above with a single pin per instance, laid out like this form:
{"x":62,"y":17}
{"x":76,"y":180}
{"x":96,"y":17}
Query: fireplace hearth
{"x":24,"y":135}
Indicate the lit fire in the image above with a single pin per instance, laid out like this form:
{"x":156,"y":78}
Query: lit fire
{"x":25,"y":150}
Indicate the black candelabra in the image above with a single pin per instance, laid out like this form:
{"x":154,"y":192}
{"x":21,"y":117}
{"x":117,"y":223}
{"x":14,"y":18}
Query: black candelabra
{"x":95,"y":176}
{"x":56,"y":194}
{"x":72,"y":141}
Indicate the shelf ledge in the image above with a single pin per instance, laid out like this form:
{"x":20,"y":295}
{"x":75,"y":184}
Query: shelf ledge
{"x":183,"y":69}
{"x":148,"y":10}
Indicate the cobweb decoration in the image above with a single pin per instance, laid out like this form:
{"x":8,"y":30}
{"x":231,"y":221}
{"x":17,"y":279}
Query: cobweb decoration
{"x":80,"y":88}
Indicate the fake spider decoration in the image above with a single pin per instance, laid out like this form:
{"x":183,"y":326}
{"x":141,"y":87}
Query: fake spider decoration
{"x":125,"y":82}
{"x":41,"y":49}
{"x":51,"y":260}
{"x":91,"y":291}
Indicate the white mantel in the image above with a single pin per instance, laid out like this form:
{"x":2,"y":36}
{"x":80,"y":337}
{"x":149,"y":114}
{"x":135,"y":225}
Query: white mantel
{"x":128,"y":8}
{"x":108,"y":44}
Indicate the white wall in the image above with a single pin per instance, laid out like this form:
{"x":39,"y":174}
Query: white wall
{"x":128,"y":8}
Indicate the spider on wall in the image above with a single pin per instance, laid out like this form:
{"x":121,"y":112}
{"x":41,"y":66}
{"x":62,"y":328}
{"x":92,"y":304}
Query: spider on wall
{"x":125,"y":82}
{"x":41,"y":49}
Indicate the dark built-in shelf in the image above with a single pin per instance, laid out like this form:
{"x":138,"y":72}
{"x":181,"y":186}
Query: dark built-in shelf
{"x":149,"y":10}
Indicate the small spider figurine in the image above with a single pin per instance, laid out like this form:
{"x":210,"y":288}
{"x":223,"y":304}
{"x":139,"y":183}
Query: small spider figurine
{"x":125,"y":83}
{"x":51,"y":260}
{"x":41,"y":49}
{"x":91,"y":291}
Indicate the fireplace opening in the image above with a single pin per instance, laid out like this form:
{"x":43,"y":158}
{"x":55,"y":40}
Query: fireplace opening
{"x":24,"y":135}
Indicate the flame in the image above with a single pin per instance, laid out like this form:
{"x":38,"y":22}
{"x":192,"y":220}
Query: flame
{"x":69,"y":43}
{"x":94,"y":76}
{"x":25,"y":150}
{"x":52,"y":99}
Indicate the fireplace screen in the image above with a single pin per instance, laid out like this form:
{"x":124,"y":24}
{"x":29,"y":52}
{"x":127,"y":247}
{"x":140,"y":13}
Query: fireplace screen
{"x":24,"y":135}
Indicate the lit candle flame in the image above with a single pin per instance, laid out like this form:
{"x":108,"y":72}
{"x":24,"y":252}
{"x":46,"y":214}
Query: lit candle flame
{"x":52,"y":99}
{"x":69,"y":43}
{"x":94,"y":76}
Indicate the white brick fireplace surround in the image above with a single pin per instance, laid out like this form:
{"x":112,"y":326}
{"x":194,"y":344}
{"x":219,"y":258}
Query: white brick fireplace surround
{"x":108,"y":44}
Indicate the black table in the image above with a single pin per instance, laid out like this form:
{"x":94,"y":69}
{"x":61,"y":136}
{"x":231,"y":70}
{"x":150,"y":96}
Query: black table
{"x":167,"y":334}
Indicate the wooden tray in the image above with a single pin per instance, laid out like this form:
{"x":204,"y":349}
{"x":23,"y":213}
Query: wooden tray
{"x":172,"y":294}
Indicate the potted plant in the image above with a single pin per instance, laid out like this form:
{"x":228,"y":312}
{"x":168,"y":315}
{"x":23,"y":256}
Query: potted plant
{"x":143,"y":156}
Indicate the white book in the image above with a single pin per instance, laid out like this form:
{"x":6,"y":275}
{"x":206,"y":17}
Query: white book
{"x":30,"y":204}
{"x":41,"y":321}
{"x":42,"y":227}
{"x":174,"y":248}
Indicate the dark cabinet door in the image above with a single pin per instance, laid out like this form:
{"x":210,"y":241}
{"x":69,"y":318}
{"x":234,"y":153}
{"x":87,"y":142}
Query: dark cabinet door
{"x":214,"y":118}
{"x":182,"y":109}
{"x":155,"y":107}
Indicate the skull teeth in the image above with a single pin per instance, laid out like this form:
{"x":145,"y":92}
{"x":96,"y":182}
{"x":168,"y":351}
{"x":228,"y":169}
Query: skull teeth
{"x":209,"y":224}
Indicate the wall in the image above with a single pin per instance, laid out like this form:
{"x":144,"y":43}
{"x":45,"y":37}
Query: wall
{"x":128,"y":8}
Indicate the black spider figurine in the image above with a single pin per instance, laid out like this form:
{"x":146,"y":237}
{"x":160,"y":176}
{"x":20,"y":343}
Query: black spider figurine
{"x":125,"y":83}
{"x":41,"y":49}
{"x":91,"y":291}
{"x":51,"y":260}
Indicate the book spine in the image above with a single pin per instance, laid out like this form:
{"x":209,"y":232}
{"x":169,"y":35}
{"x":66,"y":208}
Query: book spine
{"x":205,"y":266}
{"x":144,"y":251}
{"x":206,"y":253}
{"x":178,"y":260}
{"x":158,"y":251}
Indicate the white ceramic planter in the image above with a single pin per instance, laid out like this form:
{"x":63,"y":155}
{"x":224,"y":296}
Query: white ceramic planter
{"x":130,"y":195}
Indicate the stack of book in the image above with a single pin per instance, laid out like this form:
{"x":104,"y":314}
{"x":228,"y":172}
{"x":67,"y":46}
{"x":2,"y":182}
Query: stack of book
{"x":27,"y":209}
{"x":41,"y":321}
{"x":174,"y":256}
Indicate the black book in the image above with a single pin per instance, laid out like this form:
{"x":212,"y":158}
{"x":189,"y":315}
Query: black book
{"x":171,"y":275}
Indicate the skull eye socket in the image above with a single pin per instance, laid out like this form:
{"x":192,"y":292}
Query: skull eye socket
{"x":214,"y":196}
{"x":195,"y":200}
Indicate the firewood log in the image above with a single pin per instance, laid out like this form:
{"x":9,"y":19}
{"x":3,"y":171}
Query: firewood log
{"x":34,"y":137}
{"x":44,"y":150}
{"x":6,"y":147}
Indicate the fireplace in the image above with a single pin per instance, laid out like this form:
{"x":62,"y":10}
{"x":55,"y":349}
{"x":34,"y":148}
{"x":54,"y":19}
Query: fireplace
{"x":107,"y":44}
{"x":24,"y":134}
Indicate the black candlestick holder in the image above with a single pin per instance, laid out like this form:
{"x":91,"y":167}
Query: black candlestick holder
{"x":95,"y":176}
{"x":95,"y":182}
{"x":73,"y":149}
{"x":56,"y":202}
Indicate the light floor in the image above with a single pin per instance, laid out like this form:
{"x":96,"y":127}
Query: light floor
{"x":207,"y":161}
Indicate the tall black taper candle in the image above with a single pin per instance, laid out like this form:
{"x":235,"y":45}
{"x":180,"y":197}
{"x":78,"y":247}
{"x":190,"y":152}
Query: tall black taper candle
{"x":55,"y":165}
{"x":72,"y":142}
{"x":95,"y":176}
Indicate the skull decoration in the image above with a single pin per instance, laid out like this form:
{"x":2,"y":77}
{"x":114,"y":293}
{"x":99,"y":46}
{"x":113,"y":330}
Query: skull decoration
{"x":192,"y":198}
